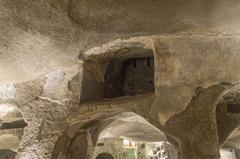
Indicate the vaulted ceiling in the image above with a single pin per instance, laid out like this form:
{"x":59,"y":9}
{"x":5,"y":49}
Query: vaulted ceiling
{"x":38,"y":37}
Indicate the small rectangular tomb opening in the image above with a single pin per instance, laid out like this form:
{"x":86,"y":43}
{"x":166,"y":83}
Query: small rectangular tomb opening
{"x":130,"y":76}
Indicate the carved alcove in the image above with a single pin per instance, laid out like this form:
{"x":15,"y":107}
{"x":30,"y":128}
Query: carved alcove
{"x":130,"y":76}
{"x":125,"y":72}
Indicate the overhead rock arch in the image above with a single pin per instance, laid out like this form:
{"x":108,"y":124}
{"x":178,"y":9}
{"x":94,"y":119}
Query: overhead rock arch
{"x":199,"y":118}
{"x":228,"y":119}
{"x":111,"y":125}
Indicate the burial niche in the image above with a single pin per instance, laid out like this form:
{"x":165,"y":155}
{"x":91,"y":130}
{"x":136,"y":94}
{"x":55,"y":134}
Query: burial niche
{"x":130,"y":76}
{"x":118,"y":73}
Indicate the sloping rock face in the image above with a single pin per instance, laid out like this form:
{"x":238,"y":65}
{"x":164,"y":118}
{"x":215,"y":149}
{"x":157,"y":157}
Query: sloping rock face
{"x":33,"y":44}
{"x":32,"y":32}
{"x":37,"y":38}
{"x":149,"y":16}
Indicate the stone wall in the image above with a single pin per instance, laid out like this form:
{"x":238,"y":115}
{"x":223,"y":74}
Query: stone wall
{"x":39,"y":60}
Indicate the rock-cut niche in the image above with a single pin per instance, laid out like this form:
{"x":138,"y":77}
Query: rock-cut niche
{"x":121,"y":73}
{"x":12,"y":124}
{"x":130,"y":76}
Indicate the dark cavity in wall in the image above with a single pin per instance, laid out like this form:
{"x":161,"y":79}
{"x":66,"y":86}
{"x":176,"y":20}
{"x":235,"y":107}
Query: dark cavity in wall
{"x":130,"y":76}
{"x":7,"y":154}
{"x":104,"y":156}
{"x":122,"y":73}
{"x":233,"y":108}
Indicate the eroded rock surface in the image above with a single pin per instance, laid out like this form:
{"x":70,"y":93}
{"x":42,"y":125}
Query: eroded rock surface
{"x":54,"y":56}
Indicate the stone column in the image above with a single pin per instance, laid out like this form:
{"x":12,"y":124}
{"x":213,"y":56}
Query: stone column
{"x":196,"y":126}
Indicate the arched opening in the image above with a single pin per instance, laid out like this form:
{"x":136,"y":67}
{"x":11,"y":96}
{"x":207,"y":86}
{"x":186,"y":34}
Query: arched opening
{"x":228,"y":122}
{"x":12,"y":124}
{"x":7,"y":154}
{"x":124,"y":135}
{"x":104,"y":156}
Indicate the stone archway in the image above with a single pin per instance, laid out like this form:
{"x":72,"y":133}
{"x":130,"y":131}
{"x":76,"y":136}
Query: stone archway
{"x":228,"y":123}
{"x":104,"y":156}
{"x":8,"y":146}
{"x":199,"y":118}
{"x":112,"y":69}
{"x":85,"y":139}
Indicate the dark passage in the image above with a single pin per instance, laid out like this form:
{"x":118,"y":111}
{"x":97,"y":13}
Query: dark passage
{"x":233,"y":108}
{"x":129,"y":77}
{"x":104,"y":156}
{"x":7,"y":154}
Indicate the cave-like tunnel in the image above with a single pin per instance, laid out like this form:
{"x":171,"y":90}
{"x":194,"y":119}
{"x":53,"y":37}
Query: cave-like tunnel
{"x":115,"y":135}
